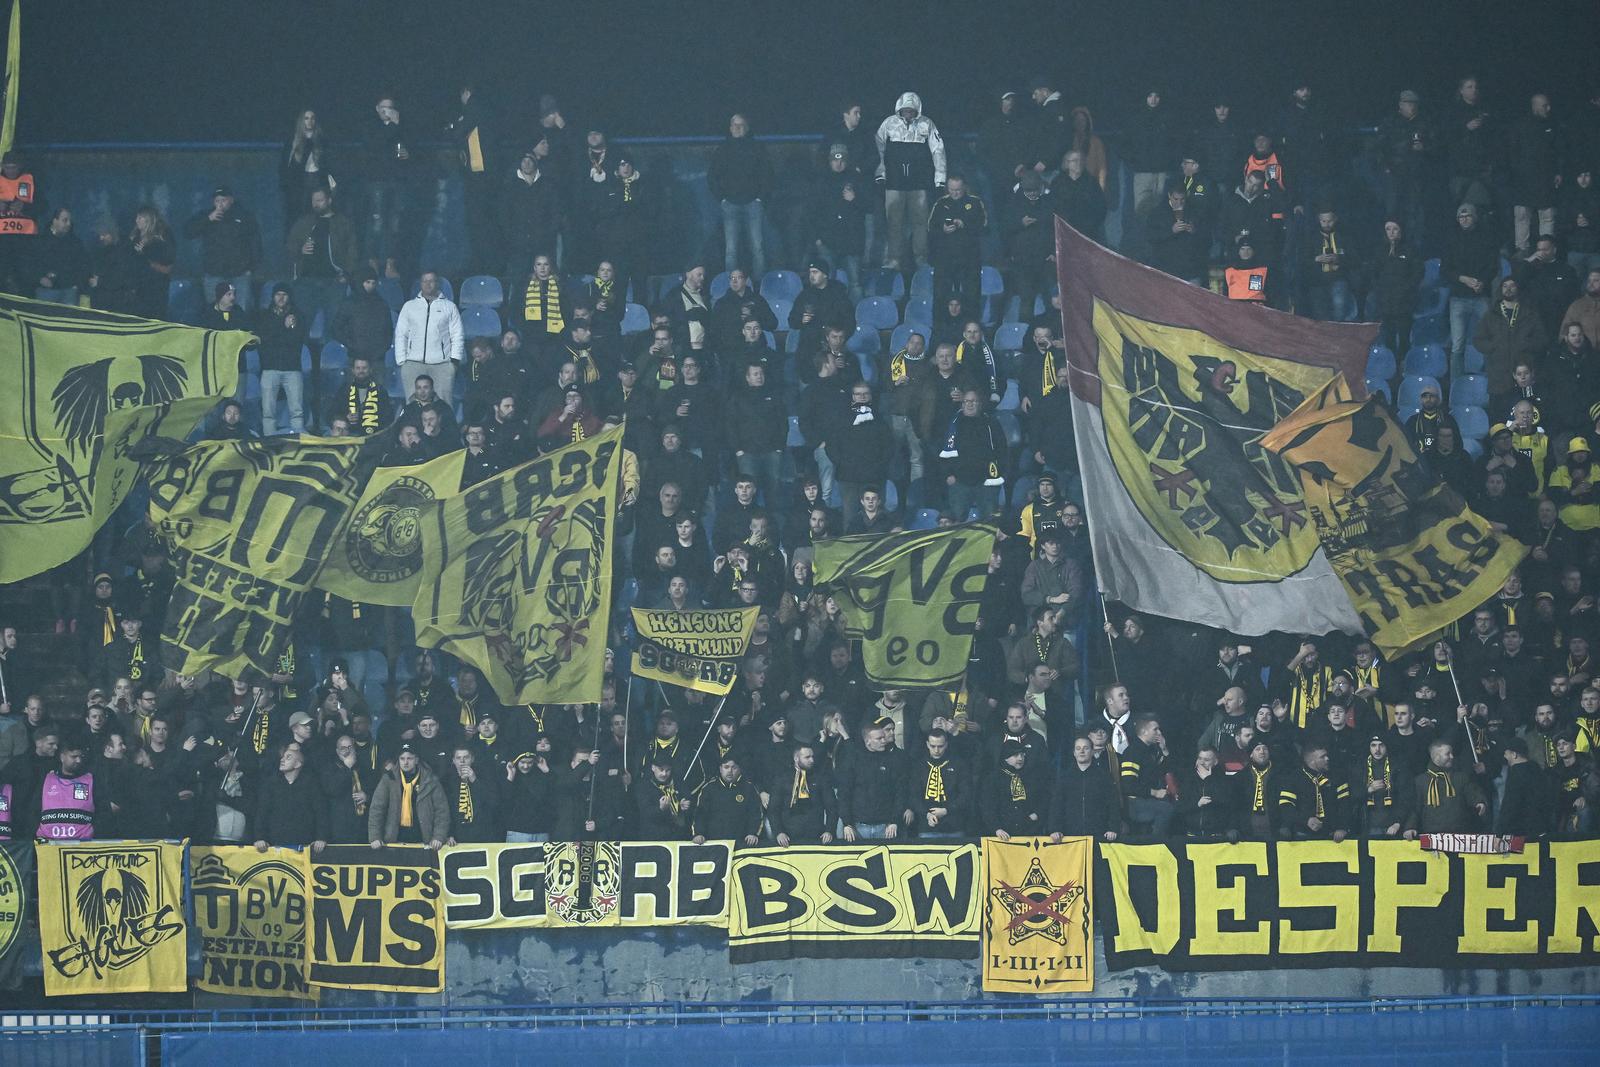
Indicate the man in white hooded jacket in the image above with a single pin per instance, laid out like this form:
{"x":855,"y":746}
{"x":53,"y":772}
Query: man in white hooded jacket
{"x":910,"y":163}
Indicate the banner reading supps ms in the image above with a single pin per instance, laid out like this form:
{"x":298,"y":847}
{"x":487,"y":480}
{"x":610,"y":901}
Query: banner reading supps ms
{"x":376,"y":919}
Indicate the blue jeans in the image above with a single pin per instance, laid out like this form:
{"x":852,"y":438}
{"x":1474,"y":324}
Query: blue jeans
{"x":292,"y":383}
{"x":386,"y":208}
{"x":1333,"y":302}
{"x":752,"y":219}
{"x":1465,"y":311}
{"x":963,"y":498}
{"x":872,"y":831}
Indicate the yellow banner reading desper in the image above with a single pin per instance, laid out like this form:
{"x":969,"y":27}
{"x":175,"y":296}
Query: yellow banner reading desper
{"x":111,"y":918}
{"x":695,"y":649}
{"x":1038,"y":932}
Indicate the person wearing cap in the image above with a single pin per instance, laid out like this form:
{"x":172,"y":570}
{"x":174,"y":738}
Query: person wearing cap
{"x":661,"y":803}
{"x":1469,"y":263}
{"x":1522,"y":482}
{"x":529,"y":800}
{"x":1422,"y":429}
{"x":823,"y":304}
{"x":740,"y":177}
{"x":410,"y":806}
{"x":1247,"y":212}
{"x":727,"y":807}
{"x":624,"y":211}
{"x":1406,"y":146}
{"x":1380,"y":793}
{"x":911,"y":156}
{"x":1175,"y":238}
{"x":230,"y":244}
{"x":364,"y":324}
{"x":1329,"y":266}
{"x":19,"y":226}
{"x":837,"y":216}
{"x":1247,"y":276}
{"x":131,"y":654}
{"x":282,"y":328}
{"x":1572,"y":488}
{"x":1511,"y":332}
{"x":224,"y":313}
{"x":1028,"y":232}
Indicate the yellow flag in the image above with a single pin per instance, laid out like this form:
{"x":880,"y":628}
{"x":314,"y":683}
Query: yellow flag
{"x":248,"y":523}
{"x":84,"y":387}
{"x":1038,"y":930}
{"x":379,"y":558}
{"x":694,"y":649}
{"x":517,"y":574}
{"x":8,"y":125}
{"x":250,"y":911}
{"x":111,"y":918}
{"x":1411,"y":554}
{"x":911,"y":598}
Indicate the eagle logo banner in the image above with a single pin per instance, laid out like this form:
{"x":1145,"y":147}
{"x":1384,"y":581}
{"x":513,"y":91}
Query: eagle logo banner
{"x":111,"y":917}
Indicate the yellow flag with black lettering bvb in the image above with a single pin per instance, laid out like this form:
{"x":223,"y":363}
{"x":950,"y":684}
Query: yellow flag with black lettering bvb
{"x":250,"y":910}
{"x":911,"y":598}
{"x":248,"y":524}
{"x":379,"y":558}
{"x":1412,"y":556}
{"x":111,"y":917}
{"x":1038,"y":916}
{"x":517,"y":574}
{"x":83,"y":388}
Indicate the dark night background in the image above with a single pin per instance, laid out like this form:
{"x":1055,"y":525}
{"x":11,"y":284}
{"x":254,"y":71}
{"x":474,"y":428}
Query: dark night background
{"x":230,"y":71}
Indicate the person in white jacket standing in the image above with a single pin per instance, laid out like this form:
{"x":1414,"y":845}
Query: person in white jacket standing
{"x":910,"y":162}
{"x":428,"y":339}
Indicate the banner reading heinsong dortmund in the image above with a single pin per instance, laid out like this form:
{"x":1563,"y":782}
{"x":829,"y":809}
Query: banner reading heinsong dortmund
{"x":84,"y":387}
{"x":1038,"y":933}
{"x":248,"y":524}
{"x":1413,"y":557}
{"x":111,"y":917}
{"x":517,"y":579}
{"x":250,"y":909}
{"x":911,"y":599}
{"x":1172,"y":387}
{"x":379,"y":558}
{"x":695,"y":649}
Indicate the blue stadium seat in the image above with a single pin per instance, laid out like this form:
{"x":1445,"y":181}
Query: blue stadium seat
{"x":891,"y":496}
{"x":1010,"y":337}
{"x":1409,"y":398}
{"x":335,"y":356}
{"x":635,"y":319}
{"x":840,"y":276}
{"x":881,"y":282}
{"x":1428,"y":361}
{"x":183,"y":301}
{"x":922,"y":282}
{"x":1022,"y":489}
{"x":1474,"y":422}
{"x":479,"y":320}
{"x":1380,"y":363}
{"x":925,"y":519}
{"x":662,"y":284}
{"x":780,"y":311}
{"x":902,"y":336}
{"x":1473,"y":447}
{"x":878,"y":313}
{"x":1430,"y":330}
{"x":780,"y":285}
{"x":1430,"y":273}
{"x":1012,"y":426}
{"x":630,"y":594}
{"x":1473,"y":360}
{"x":990,"y":283}
{"x":482,"y":289}
{"x":869,"y":368}
{"x":865,"y":341}
{"x":1470,"y":390}
{"x":972,"y":515}
{"x":791,"y":343}
{"x":1380,"y":387}
{"x":389,"y":289}
{"x":391,"y":378}
{"x":1434,"y":301}
{"x":795,"y":438}
{"x":719,"y":286}
{"x":771,"y":339}
{"x":920,"y":309}
{"x":447,"y":290}
{"x":1013,"y":398}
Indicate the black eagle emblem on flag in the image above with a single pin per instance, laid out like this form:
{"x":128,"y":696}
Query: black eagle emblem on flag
{"x":86,"y":394}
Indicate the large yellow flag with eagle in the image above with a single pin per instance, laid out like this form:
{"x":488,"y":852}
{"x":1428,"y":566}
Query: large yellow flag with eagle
{"x":83,"y":388}
{"x":516,"y":576}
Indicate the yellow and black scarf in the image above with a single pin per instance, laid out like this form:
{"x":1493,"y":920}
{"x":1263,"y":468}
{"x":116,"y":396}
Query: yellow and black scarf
{"x":258,"y":736}
{"x":1258,"y":784}
{"x":1380,"y":771}
{"x":934,"y":789}
{"x":1048,"y":361}
{"x":1318,"y":784}
{"x":1310,"y":690}
{"x":1367,"y":678}
{"x":542,"y":304}
{"x":108,"y":625}
{"x":588,"y":369}
{"x":355,"y":787}
{"x":408,"y":796}
{"x":136,"y":662}
{"x":469,"y":713}
{"x":362,"y":411}
{"x":464,"y":802}
{"x":1439,"y":787}
{"x":900,"y":367}
{"x":627,"y":188}
{"x":801,"y":789}
{"x":1330,"y":247}
{"x":1019,"y":788}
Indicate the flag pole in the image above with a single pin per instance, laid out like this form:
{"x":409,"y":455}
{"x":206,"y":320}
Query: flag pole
{"x":1461,"y":701}
{"x":627,"y":708}
{"x":1111,"y":641}
{"x":594,"y":777}
{"x":710,"y":726}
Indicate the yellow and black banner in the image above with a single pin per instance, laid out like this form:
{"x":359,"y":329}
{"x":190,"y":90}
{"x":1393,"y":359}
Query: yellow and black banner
{"x":83,"y":389}
{"x":376,"y":919}
{"x":911,"y":598}
{"x":854,"y":901}
{"x":111,"y":918}
{"x":250,"y":910}
{"x":1038,"y":932}
{"x":1413,"y":557}
{"x":17,"y":882}
{"x":379,"y":559}
{"x":517,"y":574}
{"x":567,"y":884}
{"x":693,"y":649}
{"x":248,"y":524}
{"x":1259,"y":905}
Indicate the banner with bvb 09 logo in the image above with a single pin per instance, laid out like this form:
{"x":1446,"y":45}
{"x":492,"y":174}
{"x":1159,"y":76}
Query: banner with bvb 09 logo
{"x":250,"y":909}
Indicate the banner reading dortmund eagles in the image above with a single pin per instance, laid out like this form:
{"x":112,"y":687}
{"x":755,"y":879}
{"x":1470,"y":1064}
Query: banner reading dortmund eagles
{"x":16,"y":891}
{"x":248,"y":524}
{"x":1172,"y":387}
{"x":695,"y":649}
{"x":1413,"y":557}
{"x":517,"y":578}
{"x":111,"y":917}
{"x":379,"y":558}
{"x":83,"y":388}
{"x":911,"y":598}
{"x":250,"y":909}
{"x":1038,"y":914}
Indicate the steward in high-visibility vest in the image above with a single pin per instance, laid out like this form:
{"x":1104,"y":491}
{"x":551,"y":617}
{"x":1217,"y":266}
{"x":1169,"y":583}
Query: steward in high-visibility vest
{"x":1246,"y":277}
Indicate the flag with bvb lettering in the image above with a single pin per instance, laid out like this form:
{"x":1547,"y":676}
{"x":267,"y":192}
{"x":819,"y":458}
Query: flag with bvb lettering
{"x":517,"y":573}
{"x":250,"y":909}
{"x":83,"y":388}
{"x":910,"y":598}
{"x":1172,"y":388}
{"x":1412,"y":556}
